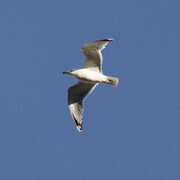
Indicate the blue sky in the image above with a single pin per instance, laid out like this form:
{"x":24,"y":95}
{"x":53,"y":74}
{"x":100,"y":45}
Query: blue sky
{"x":131,"y":131}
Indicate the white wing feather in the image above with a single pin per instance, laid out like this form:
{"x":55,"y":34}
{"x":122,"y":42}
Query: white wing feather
{"x":76,"y":96}
{"x":93,"y":56}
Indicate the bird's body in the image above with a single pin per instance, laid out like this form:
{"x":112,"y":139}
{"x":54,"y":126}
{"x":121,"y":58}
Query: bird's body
{"x":89,"y":76}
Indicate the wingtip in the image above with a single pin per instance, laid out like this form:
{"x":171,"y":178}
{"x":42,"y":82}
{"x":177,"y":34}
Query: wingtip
{"x":110,"y":39}
{"x":79,"y":128}
{"x":78,"y":124}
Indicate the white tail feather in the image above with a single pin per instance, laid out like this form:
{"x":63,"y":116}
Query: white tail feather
{"x":112,"y":81}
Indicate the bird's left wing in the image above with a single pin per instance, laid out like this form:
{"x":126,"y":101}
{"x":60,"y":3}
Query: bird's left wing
{"x":76,"y":95}
{"x":92,"y":53}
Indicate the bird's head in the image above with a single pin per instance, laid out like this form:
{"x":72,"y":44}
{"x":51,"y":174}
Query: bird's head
{"x":69,"y":72}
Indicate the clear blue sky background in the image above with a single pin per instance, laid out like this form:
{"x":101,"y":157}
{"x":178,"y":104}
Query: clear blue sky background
{"x":131,"y":132}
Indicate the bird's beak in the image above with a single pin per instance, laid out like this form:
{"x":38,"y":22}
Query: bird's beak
{"x":65,"y":73}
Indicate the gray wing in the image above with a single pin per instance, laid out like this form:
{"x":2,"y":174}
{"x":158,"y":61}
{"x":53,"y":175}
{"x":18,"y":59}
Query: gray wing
{"x":76,"y":95}
{"x":92,"y":53}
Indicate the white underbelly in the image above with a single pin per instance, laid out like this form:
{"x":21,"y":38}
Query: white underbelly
{"x":90,"y":76}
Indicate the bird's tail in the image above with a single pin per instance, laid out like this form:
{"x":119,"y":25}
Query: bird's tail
{"x":112,"y":81}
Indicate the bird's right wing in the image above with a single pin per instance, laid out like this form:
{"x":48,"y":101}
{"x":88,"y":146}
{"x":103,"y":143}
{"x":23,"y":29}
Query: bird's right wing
{"x":92,"y":53}
{"x":76,"y":95}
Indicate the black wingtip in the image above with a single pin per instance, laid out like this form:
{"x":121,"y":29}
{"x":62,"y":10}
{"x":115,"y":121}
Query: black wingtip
{"x":109,"y":40}
{"x":79,"y":128}
{"x":78,"y":125}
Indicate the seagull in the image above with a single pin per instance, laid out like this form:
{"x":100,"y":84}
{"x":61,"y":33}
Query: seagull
{"x":89,"y":76}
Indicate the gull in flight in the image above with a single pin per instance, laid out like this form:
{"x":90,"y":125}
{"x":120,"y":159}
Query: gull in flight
{"x":89,"y":76}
